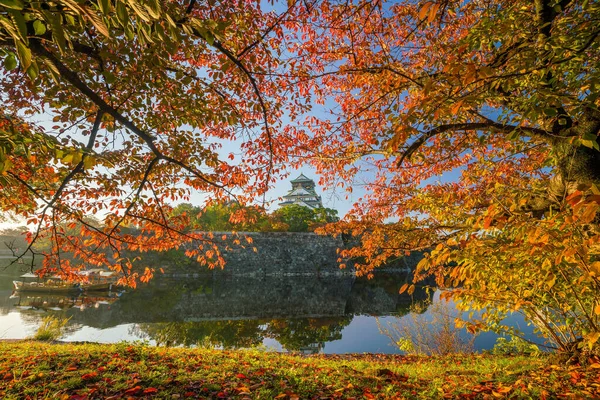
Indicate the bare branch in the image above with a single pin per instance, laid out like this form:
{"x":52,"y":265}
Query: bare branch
{"x":469,"y":126}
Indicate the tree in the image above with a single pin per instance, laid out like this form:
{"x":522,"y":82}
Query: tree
{"x":475,"y":126}
{"x":142,"y":94}
{"x":296,"y":217}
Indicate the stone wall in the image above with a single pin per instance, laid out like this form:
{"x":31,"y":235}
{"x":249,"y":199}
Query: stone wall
{"x":284,"y":253}
{"x":281,"y":253}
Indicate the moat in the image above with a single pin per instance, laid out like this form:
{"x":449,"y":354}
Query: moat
{"x":331,"y":314}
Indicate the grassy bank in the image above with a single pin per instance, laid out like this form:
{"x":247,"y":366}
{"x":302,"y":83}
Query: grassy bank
{"x":65,"y":371}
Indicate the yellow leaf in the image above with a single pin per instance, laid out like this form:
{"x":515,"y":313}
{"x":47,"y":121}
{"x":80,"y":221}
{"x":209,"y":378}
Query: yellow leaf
{"x":550,"y":280}
{"x":592,"y":338}
{"x":88,"y":162}
{"x":590,"y":213}
{"x":504,"y":389}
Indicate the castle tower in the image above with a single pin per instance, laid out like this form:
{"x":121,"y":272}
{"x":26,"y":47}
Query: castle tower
{"x":302,"y":193}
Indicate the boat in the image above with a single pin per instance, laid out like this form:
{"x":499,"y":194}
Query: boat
{"x":58,"y":302}
{"x":95,"y":280}
{"x":54,"y":284}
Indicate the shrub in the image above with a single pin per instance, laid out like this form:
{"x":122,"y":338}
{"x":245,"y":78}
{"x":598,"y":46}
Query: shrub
{"x":52,"y":328}
{"x":428,"y":330}
{"x":515,"y":346}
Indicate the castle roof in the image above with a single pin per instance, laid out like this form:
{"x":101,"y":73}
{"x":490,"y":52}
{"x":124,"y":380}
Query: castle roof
{"x":301,"y":178}
{"x":301,"y":192}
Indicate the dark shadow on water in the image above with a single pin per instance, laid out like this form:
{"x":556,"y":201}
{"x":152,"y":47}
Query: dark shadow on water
{"x":299,"y":312}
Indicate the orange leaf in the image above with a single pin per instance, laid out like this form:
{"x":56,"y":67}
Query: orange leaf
{"x":133,"y":391}
{"x":424,"y":10}
{"x":403,"y":288}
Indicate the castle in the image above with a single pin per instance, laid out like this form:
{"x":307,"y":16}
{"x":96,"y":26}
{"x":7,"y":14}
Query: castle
{"x":302,"y":193}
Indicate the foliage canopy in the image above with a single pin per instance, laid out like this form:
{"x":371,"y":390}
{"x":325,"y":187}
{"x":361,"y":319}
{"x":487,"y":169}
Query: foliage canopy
{"x":473,"y":123}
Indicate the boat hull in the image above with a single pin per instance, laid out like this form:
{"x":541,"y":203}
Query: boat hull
{"x":41,"y":288}
{"x":97,"y":287}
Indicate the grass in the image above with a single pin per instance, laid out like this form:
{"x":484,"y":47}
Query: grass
{"x":37,"y":370}
{"x":51,"y":328}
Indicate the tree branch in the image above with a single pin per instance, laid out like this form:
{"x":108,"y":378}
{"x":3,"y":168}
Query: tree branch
{"x":469,"y":126}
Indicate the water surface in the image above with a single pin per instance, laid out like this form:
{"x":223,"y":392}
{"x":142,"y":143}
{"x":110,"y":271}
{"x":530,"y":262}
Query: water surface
{"x":332,"y":314}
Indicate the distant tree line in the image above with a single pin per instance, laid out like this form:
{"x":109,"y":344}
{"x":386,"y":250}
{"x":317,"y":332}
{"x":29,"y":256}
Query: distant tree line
{"x":235,"y":217}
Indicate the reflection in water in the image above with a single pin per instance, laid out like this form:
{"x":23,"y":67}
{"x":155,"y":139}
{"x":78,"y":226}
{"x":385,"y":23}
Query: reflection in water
{"x":294,"y":334}
{"x":300,"y":313}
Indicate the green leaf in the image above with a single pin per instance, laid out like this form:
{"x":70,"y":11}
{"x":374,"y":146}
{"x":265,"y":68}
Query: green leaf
{"x":33,"y":71}
{"x":153,"y":8}
{"x":588,"y":143}
{"x":58,"y":34}
{"x":12,"y":4}
{"x":19,"y":20}
{"x":53,"y":70}
{"x":10,"y":62}
{"x":104,"y":6}
{"x":514,"y":135}
{"x":39,"y":27}
{"x":109,"y":77}
{"x":6,"y":165}
{"x":129,"y":34}
{"x":24,"y":55}
{"x":138,"y":10}
{"x":122,"y":14}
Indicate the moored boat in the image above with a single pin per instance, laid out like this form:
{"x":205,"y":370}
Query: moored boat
{"x":89,"y":281}
{"x":97,"y":280}
{"x":53,"y":284}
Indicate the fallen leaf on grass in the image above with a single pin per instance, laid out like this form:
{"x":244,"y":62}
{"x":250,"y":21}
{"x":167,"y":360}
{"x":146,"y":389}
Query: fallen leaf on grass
{"x":90,"y":376}
{"x":133,"y":391}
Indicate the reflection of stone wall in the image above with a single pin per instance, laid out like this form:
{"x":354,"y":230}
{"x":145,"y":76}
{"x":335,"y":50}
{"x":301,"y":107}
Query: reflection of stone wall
{"x":380,"y":295}
{"x":222,"y":298}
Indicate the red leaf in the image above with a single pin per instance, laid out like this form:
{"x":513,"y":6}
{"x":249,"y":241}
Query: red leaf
{"x":150,"y":390}
{"x":87,"y":377}
{"x":133,"y":391}
{"x":241,"y":376}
